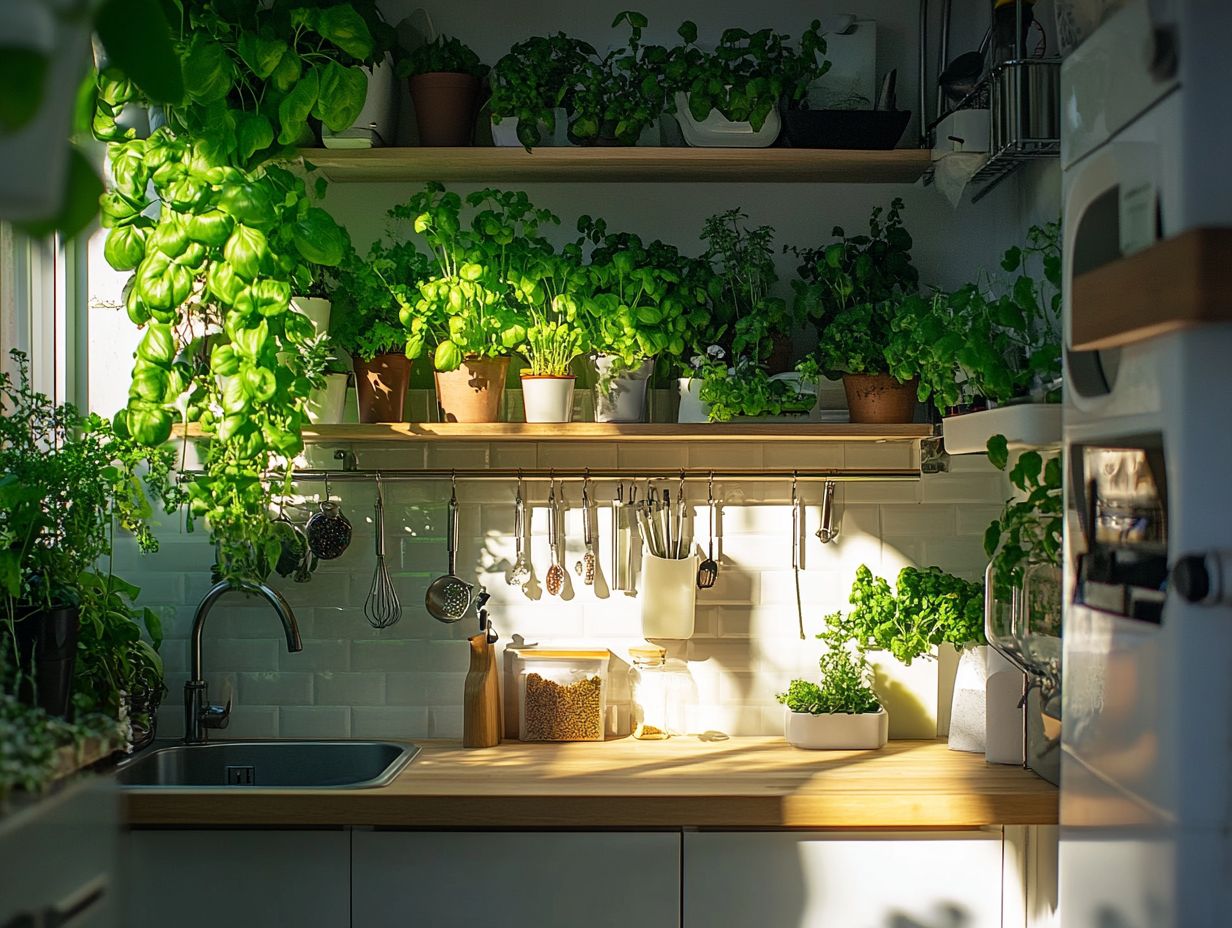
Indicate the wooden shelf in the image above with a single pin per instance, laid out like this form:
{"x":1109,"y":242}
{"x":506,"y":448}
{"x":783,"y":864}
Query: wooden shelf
{"x":1176,"y":284}
{"x":499,"y":165}
{"x":601,"y":431}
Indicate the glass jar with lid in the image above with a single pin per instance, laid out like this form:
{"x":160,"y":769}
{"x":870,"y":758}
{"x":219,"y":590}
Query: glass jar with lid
{"x":661,"y":687}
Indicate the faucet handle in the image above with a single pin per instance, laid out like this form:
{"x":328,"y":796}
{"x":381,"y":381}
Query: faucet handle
{"x":216,"y":716}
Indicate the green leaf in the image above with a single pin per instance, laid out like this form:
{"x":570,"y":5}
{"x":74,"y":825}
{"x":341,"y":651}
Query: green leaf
{"x":998,"y":451}
{"x":157,"y":345}
{"x":149,"y":425}
{"x":253,"y":133}
{"x":260,"y":53}
{"x":250,"y":341}
{"x":208,"y":72}
{"x":295,"y":106}
{"x":319,"y":238}
{"x":137,"y":38}
{"x":246,"y":251}
{"x":341,"y":96}
{"x":287,"y":72}
{"x":343,"y":26}
{"x":124,"y":247}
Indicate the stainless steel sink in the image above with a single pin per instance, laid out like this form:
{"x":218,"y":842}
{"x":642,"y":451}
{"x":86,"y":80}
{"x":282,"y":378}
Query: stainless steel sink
{"x":268,"y":765}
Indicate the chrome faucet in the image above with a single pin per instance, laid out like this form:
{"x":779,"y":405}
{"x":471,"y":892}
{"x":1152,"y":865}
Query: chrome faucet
{"x":199,"y":714}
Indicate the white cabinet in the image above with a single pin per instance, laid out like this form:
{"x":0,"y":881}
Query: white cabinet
{"x":828,"y":880}
{"x":204,"y":879}
{"x":515,"y":880}
{"x":57,"y":858}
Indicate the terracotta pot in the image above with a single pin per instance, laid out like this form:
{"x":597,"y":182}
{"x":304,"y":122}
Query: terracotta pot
{"x":472,"y":393}
{"x":445,"y":108}
{"x":879,"y":399}
{"x":547,"y":398}
{"x":781,"y":351}
{"x":380,"y":385}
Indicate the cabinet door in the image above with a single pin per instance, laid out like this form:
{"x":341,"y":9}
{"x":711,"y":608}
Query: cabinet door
{"x":204,"y":879}
{"x":814,"y":880}
{"x":515,"y":879}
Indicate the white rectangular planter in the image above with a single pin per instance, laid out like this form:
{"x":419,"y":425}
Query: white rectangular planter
{"x":717,"y":131}
{"x":1027,"y":425}
{"x":837,"y":731}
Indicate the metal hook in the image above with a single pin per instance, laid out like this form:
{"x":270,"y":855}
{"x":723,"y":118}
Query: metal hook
{"x":380,"y":491}
{"x":710,"y":489}
{"x":453,"y":487}
{"x":327,"y":493}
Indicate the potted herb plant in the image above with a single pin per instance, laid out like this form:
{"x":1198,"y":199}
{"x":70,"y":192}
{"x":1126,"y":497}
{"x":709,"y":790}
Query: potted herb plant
{"x":64,"y":477}
{"x":841,"y":712}
{"x":637,"y":308}
{"x":470,"y":303}
{"x":531,"y":87}
{"x":997,"y":345}
{"x":730,"y":97}
{"x":853,"y":290}
{"x":741,"y":264}
{"x":368,"y":325}
{"x":554,"y":337}
{"x":618,"y":99}
{"x":445,"y":77}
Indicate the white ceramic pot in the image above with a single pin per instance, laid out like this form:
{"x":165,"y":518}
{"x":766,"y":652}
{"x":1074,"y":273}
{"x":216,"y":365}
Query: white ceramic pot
{"x":620,"y":394}
{"x":547,"y":399}
{"x":837,"y":731}
{"x":908,"y":693}
{"x":692,"y":409}
{"x":717,"y":131}
{"x":505,"y":132}
{"x":377,"y":122}
{"x":315,"y":308}
{"x":967,"y":713}
{"x":326,"y":405}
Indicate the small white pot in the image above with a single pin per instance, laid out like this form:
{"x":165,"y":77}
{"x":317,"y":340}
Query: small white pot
{"x":547,"y":399}
{"x":620,"y":394}
{"x":692,"y":409}
{"x":505,"y":132}
{"x":837,"y":731}
{"x":377,"y":122}
{"x":717,"y":131}
{"x":316,"y":309}
{"x":326,"y":405}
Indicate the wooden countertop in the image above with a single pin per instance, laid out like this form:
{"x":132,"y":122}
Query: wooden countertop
{"x":684,"y":782}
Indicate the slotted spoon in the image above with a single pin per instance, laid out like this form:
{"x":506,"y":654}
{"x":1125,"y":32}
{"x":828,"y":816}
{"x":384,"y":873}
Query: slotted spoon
{"x":449,"y":597}
{"x":520,"y":573}
{"x":708,"y":570}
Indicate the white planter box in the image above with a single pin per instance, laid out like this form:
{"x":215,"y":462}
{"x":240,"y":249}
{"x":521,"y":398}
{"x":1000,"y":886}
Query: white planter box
{"x":836,"y":731}
{"x":1027,"y":425}
{"x":717,"y":131}
{"x":909,"y":694}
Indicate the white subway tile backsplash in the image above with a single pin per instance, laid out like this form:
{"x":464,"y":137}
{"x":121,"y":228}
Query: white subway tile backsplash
{"x":406,"y":681}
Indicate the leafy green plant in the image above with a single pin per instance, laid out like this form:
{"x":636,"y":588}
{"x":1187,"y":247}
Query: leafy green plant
{"x":992,"y":340}
{"x":747,"y":390}
{"x":1029,"y":530}
{"x":640,"y":300}
{"x":31,"y":742}
{"x":930,"y":607}
{"x":474,"y":303}
{"x":217,"y":236}
{"x":115,"y":663}
{"x":63,"y":478}
{"x":615,"y":97}
{"x":369,"y":297}
{"x":854,"y":289}
{"x":749,"y":74}
{"x":444,"y":54}
{"x":536,"y":78}
{"x":846,"y":678}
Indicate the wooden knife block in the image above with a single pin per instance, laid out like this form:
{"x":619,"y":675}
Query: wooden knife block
{"x":482,"y":718}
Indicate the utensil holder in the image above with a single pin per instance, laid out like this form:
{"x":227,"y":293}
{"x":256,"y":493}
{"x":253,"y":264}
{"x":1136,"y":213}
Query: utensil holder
{"x":669,"y":596}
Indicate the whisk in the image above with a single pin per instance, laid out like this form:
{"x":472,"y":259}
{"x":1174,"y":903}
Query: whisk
{"x":382,"y":607}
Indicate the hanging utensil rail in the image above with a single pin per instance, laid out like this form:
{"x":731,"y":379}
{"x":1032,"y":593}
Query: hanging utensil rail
{"x":838,"y":475}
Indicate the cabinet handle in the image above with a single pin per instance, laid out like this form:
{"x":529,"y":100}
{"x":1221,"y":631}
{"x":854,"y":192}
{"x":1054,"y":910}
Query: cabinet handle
{"x":66,"y":912}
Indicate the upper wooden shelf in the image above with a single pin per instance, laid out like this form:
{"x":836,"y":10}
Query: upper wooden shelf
{"x":498,"y":165}
{"x":604,"y":431}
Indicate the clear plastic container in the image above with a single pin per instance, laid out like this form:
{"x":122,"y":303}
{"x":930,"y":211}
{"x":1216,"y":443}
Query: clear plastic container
{"x":662,"y":691}
{"x":562,"y":695}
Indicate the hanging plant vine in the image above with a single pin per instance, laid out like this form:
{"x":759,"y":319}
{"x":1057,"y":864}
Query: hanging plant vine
{"x":218,"y":234}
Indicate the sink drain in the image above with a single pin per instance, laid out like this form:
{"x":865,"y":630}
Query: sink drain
{"x":239,"y":776}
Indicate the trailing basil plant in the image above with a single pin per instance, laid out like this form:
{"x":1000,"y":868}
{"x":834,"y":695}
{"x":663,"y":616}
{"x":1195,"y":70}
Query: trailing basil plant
{"x":845,"y":686}
{"x":535,"y":78}
{"x":444,"y":54}
{"x":749,"y":75}
{"x":218,"y":236}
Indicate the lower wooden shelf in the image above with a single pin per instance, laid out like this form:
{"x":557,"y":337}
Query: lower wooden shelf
{"x":600,"y":431}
